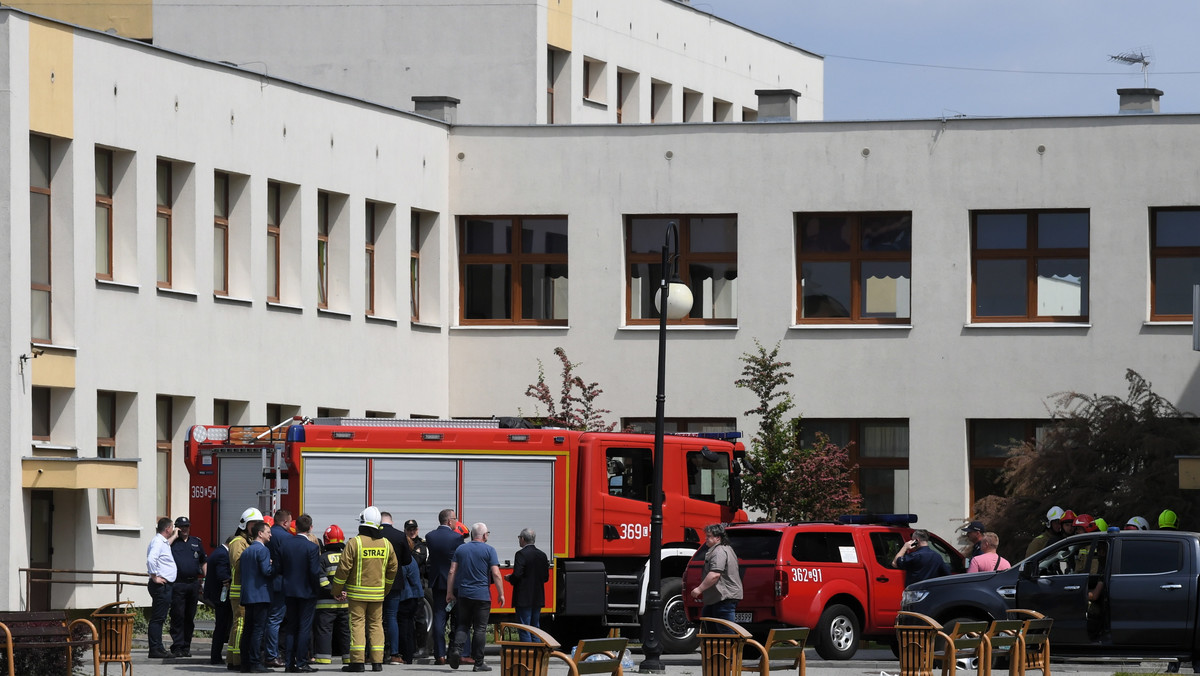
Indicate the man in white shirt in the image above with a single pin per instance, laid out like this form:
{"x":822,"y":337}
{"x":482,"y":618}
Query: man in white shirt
{"x":160,"y":565}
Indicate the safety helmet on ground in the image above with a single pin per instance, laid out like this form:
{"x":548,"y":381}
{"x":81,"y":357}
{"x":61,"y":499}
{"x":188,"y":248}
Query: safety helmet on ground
{"x":249,"y":515}
{"x":1137,"y":523}
{"x":1055,"y":513}
{"x":1086,"y":523}
{"x":334,"y":534}
{"x":1167,"y":519}
{"x":1101,"y":524}
{"x":370,"y":517}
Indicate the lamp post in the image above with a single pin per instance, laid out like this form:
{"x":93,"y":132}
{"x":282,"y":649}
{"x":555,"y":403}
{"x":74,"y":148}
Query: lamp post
{"x":674,"y":302}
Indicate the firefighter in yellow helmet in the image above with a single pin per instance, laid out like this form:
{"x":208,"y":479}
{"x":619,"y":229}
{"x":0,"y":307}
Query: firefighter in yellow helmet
{"x":364,"y":577}
{"x":239,"y":543}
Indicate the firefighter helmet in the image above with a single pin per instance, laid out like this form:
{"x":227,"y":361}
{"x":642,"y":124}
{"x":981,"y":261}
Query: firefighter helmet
{"x":1137,"y":523}
{"x":1167,"y":519}
{"x":1101,"y":524}
{"x":269,"y":520}
{"x":334,"y":534}
{"x":1055,"y":514}
{"x":1085,"y":523}
{"x":249,"y":515}
{"x":370,"y":517}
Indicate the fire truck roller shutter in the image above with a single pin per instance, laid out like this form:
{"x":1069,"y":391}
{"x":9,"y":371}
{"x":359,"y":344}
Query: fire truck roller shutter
{"x":335,"y":491}
{"x":240,"y":481}
{"x":509,"y":495}
{"x":415,"y":488}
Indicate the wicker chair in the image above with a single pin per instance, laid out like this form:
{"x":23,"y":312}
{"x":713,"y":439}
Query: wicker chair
{"x":916,"y":639}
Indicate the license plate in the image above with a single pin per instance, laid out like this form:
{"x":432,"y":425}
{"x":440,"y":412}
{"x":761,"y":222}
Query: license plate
{"x":743,"y":617}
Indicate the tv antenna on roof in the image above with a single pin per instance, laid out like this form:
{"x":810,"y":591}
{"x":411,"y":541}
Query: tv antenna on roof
{"x":1138,"y":57}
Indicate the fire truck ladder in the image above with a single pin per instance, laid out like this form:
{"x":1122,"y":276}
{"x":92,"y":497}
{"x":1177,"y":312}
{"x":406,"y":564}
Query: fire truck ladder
{"x":273,"y":465}
{"x":623,"y":600}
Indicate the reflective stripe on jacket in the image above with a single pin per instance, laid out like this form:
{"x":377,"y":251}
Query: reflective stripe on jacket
{"x":367,"y":569}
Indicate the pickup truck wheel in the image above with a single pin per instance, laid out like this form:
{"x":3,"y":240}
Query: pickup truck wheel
{"x":675,"y":632}
{"x":837,"y":633}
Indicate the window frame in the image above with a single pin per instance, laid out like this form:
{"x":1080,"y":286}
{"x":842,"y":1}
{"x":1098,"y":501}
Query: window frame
{"x":104,"y":201}
{"x":856,"y":459}
{"x":1031,"y":254}
{"x":515,"y":259}
{"x":164,"y":247}
{"x":1166,"y":252}
{"x":324,"y":227}
{"x":106,"y":447}
{"x":685,"y":258}
{"x":371,"y":234}
{"x":162,"y":449}
{"x":274,"y":238}
{"x":855,"y":257}
{"x":978,"y":463}
{"x":221,"y":232}
{"x":47,"y":287}
{"x":414,"y":266}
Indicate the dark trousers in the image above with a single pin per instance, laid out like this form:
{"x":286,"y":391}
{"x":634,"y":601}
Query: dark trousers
{"x":254,"y":627}
{"x":296,"y":637}
{"x":223,"y":613}
{"x":274,"y":622}
{"x":160,"y":606}
{"x":331,"y":633}
{"x":184,"y":597}
{"x":473,"y":618}
{"x":439,"y":622}
{"x":405,"y":614}
{"x":422,"y":615}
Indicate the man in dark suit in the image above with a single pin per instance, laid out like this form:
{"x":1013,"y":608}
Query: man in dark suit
{"x":255,"y":574}
{"x":216,"y":593}
{"x":301,"y":563}
{"x":280,"y":533}
{"x":442,"y":542}
{"x":531,"y":569}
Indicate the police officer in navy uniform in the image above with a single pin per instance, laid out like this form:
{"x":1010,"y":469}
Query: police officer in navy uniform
{"x":191,"y":562}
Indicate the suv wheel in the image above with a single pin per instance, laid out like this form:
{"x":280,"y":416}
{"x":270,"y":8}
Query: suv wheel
{"x":837,"y":633}
{"x":677,"y":634}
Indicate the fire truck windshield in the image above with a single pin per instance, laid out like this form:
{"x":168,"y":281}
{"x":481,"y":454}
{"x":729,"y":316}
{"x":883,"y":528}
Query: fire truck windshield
{"x":708,"y":478}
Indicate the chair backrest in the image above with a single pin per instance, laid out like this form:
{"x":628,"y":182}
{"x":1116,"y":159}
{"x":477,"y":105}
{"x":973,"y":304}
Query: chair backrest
{"x":610,"y":651}
{"x":968,"y":635}
{"x":1037,"y":633}
{"x":1005,"y":634}
{"x":916,"y":640}
{"x":786,"y":644}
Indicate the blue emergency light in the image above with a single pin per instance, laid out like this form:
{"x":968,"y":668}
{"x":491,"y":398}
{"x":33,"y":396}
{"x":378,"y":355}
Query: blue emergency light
{"x":878,"y":519}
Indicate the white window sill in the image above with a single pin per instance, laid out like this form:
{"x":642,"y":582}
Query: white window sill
{"x":52,"y":346}
{"x":507,"y":327}
{"x":117,"y":285}
{"x":380,"y":319}
{"x":283,"y":306}
{"x":335,"y":314}
{"x":1173,"y":323}
{"x":852,"y":327}
{"x":117,"y":528}
{"x":1028,"y":325}
{"x":233,"y":300}
{"x":679,"y":327}
{"x":47,"y":446}
{"x":163,"y":291}
{"x":425,"y":325}
{"x":593,"y":103}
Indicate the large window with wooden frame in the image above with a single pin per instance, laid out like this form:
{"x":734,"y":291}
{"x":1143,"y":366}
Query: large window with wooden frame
{"x":414,"y":266}
{"x":164,"y":428}
{"x":221,"y":233}
{"x":707,"y":264}
{"x":854,"y":267}
{"x":369,"y":236}
{"x":880,"y":450}
{"x":106,"y":447}
{"x":164,"y":199}
{"x":513,"y":270}
{"x":104,"y":214}
{"x":323,"y":227}
{"x":1174,"y":262}
{"x":991,"y":443}
{"x":39,"y":238}
{"x":1030,"y":266}
{"x":274,"y":215}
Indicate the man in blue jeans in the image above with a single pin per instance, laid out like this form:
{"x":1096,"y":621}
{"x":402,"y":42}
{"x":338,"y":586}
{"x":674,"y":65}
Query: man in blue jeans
{"x":721,"y":586}
{"x":160,"y":565}
{"x":474,"y":568}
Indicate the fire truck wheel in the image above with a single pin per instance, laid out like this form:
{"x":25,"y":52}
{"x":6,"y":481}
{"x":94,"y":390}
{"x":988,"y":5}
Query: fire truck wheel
{"x":676,"y":633}
{"x":837,"y":633}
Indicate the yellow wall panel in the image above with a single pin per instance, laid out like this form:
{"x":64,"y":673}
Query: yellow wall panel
{"x":51,"y":79}
{"x":54,"y":369}
{"x":558,"y":24}
{"x":82,"y":473}
{"x":128,"y":18}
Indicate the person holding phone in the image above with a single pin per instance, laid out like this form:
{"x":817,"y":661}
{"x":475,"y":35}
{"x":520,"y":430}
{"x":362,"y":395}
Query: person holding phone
{"x":918,"y":561}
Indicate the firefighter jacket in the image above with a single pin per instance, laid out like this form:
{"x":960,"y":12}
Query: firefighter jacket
{"x":330,"y":557}
{"x":367,"y":569}
{"x":236,"y":547}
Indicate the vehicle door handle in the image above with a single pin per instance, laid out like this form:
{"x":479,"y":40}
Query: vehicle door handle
{"x":1073,"y":587}
{"x":1171,"y":586}
{"x":881,"y":579}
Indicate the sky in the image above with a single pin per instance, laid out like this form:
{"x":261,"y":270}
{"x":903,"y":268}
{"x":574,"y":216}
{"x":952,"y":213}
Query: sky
{"x":905,"y":59}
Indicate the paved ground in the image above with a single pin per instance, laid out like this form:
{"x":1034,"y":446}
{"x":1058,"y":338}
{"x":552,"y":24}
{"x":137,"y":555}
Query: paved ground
{"x":865,"y":663}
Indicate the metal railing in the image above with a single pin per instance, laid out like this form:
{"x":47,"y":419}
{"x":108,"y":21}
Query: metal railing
{"x":31,"y":578}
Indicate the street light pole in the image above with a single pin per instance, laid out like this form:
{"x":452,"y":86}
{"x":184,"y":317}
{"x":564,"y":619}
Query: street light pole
{"x":682,"y":305}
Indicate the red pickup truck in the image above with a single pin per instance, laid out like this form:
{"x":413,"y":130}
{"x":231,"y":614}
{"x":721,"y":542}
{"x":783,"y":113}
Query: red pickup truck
{"x":835,"y":578}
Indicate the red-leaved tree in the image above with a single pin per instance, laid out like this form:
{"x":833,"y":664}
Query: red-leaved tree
{"x":575,"y":406}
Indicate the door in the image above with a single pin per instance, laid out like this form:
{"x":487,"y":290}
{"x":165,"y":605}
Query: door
{"x":1056,"y":585}
{"x":1151,"y":594}
{"x":41,"y":547}
{"x":886,"y":583}
{"x":625,"y":515}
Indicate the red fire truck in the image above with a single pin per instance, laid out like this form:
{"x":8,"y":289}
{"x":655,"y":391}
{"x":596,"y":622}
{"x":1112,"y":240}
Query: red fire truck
{"x":586,"y":495}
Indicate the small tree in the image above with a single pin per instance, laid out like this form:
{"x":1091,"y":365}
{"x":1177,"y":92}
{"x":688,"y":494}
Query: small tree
{"x":788,"y":481}
{"x":575,"y":407}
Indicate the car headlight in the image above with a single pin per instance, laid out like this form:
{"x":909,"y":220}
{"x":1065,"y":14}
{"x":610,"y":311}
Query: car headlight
{"x":911,"y":596}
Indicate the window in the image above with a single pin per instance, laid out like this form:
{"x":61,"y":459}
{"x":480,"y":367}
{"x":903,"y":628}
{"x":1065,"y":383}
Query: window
{"x":722,"y":111}
{"x":221,"y":234}
{"x":514,"y":270}
{"x":693,"y":106}
{"x":1174,"y":262}
{"x":991,"y":442}
{"x":677,"y":425}
{"x":753,"y":544}
{"x":660,"y":102}
{"x":41,"y":413}
{"x":627,"y":96}
{"x":39,"y":238}
{"x":594,"y":80}
{"x":558,"y":77}
{"x":707,"y":264}
{"x":106,"y":447}
{"x":369,"y":258}
{"x":323,"y":227}
{"x":630,"y":473}
{"x":708,"y":479}
{"x":164,"y":431}
{"x":1151,"y":557}
{"x":854,"y":267}
{"x":880,"y":449}
{"x":164,"y":199}
{"x":222,"y":412}
{"x":813,"y":547}
{"x":1030,"y":265}
{"x":414,"y":267}
{"x":274,"y":214}
{"x":104,"y":214}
